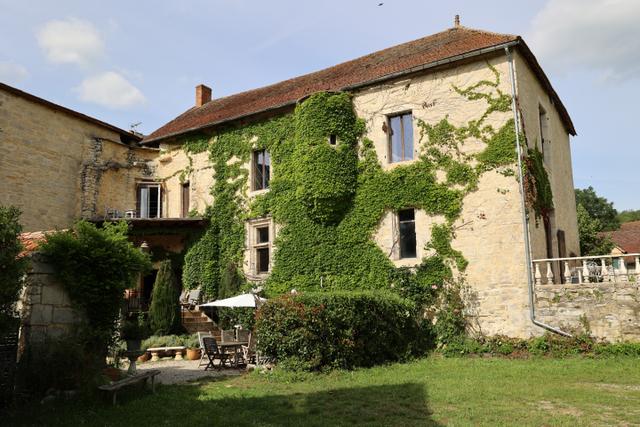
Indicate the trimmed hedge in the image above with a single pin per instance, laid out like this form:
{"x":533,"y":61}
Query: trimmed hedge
{"x":314,"y":331}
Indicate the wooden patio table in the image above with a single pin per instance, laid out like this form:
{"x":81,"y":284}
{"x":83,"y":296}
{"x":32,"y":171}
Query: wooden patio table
{"x":232,"y":345}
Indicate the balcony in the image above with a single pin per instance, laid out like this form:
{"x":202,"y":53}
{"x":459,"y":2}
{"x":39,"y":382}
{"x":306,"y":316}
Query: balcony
{"x":588,"y":269}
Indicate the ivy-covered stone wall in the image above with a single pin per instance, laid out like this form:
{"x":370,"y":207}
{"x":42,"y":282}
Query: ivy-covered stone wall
{"x":333,"y":205}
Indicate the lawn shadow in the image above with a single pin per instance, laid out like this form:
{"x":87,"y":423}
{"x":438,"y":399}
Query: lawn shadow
{"x":383,"y":405}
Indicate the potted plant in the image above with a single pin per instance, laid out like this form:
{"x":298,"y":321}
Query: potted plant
{"x":133,"y":331}
{"x":193,"y":347}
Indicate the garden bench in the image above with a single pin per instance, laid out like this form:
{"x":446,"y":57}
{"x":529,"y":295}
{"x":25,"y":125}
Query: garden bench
{"x":155,"y":350}
{"x":115,"y":386}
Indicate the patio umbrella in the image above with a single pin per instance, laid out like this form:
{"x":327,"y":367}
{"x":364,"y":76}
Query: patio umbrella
{"x":243,"y":300}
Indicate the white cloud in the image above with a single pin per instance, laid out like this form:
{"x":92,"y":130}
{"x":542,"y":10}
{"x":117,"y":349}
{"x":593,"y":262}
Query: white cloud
{"x":12,"y":73}
{"x":71,"y":41}
{"x":599,"y":35}
{"x":111,"y":90}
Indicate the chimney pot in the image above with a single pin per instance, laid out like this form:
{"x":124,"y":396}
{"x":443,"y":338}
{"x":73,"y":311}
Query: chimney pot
{"x":456,"y":21}
{"x":203,"y":95}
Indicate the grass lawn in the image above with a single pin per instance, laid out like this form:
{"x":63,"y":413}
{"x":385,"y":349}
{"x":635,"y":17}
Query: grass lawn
{"x":432,"y":391}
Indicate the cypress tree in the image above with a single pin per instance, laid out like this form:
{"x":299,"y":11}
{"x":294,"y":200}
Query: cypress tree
{"x":164,"y":312}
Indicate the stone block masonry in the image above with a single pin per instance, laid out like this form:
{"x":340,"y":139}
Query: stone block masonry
{"x":610,"y":310}
{"x":47,"y":312}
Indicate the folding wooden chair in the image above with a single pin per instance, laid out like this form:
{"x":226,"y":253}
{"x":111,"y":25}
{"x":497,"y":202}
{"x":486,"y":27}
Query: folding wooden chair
{"x":213,"y":352}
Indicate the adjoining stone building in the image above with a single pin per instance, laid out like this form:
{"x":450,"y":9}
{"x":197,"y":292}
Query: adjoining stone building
{"x":58,"y":165}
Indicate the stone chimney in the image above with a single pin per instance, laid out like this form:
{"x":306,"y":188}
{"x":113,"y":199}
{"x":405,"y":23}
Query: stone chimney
{"x":456,"y":21}
{"x":203,"y":95}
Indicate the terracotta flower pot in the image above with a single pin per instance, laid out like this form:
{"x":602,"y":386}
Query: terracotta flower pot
{"x":144,"y":357}
{"x":193,"y":353}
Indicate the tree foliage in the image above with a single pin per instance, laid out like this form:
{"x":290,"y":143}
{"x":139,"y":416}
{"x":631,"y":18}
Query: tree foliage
{"x":629,"y":215}
{"x":598,"y":208}
{"x":592,"y":241}
{"x":164,"y":312}
{"x":95,"y":266}
{"x":12,"y":268}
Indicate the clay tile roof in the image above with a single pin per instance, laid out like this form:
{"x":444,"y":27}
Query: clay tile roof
{"x":31,"y":241}
{"x":627,"y":237}
{"x":388,"y":63}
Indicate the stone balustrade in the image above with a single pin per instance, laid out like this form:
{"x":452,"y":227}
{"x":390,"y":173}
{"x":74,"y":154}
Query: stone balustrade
{"x":587,"y":269}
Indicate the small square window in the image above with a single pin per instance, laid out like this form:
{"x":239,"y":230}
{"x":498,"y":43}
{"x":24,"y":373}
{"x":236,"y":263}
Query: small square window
{"x":333,"y":139}
{"x":263,"y":234}
{"x":400,"y":131}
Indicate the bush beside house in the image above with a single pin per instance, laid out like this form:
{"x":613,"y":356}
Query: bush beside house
{"x":313,"y":331}
{"x":12,"y":267}
{"x":94,"y":266}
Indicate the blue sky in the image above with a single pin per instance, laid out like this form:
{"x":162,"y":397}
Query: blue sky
{"x":128,"y":62}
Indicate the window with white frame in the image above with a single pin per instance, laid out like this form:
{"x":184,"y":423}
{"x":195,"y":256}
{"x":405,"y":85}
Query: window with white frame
{"x":149,"y":200}
{"x":260,"y":241}
{"x":400,"y":132}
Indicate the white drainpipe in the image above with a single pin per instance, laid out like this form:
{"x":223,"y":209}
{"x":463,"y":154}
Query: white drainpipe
{"x":525,"y":221}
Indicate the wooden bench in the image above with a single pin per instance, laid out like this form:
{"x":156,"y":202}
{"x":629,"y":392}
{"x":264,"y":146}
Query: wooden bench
{"x":115,"y":386}
{"x":155,"y":350}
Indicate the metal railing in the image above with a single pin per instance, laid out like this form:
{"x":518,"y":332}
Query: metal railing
{"x":587,"y":269}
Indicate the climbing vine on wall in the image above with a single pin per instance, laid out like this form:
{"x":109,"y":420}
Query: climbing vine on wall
{"x":329,"y":199}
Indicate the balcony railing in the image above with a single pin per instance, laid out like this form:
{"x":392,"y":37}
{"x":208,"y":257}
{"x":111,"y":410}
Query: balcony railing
{"x":587,"y":269}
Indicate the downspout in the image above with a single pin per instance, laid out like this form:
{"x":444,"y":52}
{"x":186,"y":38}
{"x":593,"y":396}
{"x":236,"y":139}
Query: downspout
{"x":523,"y":207}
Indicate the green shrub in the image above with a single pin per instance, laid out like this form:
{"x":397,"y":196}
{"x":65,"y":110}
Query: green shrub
{"x":164,"y":311}
{"x":95,"y":266}
{"x":11,"y":266}
{"x":313,"y":331}
{"x":228,"y":317}
{"x":549,"y":345}
{"x":171,"y":341}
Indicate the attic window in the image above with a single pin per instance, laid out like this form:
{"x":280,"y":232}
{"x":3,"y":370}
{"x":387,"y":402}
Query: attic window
{"x":333,"y":139}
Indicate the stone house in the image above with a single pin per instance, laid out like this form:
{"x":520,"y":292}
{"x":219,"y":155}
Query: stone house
{"x":395,"y":91}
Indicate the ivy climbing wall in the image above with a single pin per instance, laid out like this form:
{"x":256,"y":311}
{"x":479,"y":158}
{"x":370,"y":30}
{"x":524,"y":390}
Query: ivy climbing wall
{"x":334,"y":205}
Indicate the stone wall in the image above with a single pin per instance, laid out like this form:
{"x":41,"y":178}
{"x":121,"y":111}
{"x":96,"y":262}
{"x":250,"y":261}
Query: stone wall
{"x":57,"y":167}
{"x":610,"y":310}
{"x":45,"y":307}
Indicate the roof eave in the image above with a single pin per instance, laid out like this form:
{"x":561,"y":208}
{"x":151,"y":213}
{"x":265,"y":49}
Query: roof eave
{"x":517,"y":41}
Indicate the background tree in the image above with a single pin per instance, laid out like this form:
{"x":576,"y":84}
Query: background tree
{"x":598,"y":208}
{"x":12,"y":268}
{"x":164,"y":312}
{"x":629,"y":215}
{"x":592,"y":241}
